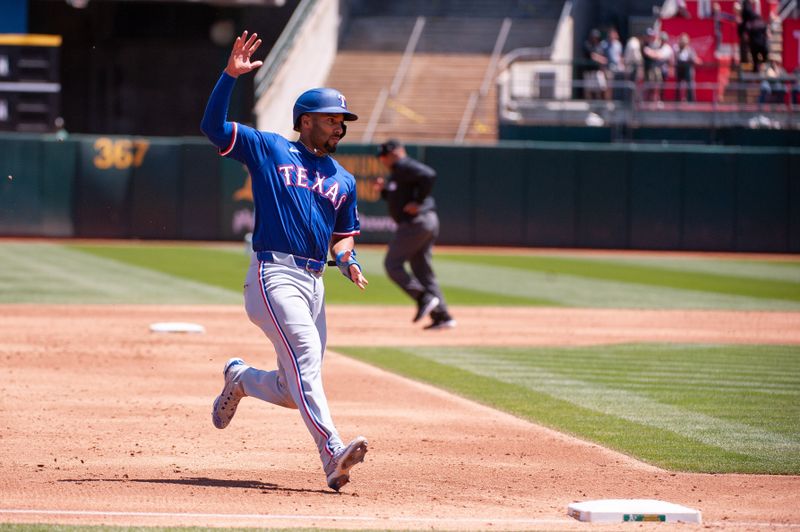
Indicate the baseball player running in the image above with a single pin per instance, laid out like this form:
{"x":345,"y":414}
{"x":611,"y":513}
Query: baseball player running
{"x":305,"y":203}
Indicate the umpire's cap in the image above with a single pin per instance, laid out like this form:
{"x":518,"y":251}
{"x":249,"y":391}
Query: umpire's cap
{"x":321,"y":100}
{"x":388,"y":147}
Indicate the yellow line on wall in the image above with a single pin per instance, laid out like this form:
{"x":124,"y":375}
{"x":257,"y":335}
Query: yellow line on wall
{"x":29,"y":39}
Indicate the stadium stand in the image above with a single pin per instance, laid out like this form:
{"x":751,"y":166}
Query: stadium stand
{"x":421,"y":70}
{"x":424,"y":71}
{"x":732,"y":90}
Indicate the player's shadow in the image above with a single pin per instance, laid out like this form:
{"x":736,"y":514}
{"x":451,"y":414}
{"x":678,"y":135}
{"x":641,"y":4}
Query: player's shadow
{"x":204,"y":482}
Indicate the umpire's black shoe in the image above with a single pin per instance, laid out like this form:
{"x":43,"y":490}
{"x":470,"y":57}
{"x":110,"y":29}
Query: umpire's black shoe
{"x":425,"y":304}
{"x":441,"y":324}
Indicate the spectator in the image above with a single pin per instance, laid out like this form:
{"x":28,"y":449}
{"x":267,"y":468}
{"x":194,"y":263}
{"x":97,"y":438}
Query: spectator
{"x":653,"y":61}
{"x":773,"y":79}
{"x":674,"y":8}
{"x":612,"y":49}
{"x":667,"y":54}
{"x":634,"y":65}
{"x":633,"y":60}
{"x":667,"y":59}
{"x":719,"y":17}
{"x":756,"y":30}
{"x":685,"y":60}
{"x":594,"y":76}
{"x":741,"y":33}
{"x":704,"y":9}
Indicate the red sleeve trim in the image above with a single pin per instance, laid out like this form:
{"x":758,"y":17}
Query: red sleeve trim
{"x":351,"y":233}
{"x":233,"y":141}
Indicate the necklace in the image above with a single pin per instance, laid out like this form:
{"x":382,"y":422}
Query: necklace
{"x":312,"y":150}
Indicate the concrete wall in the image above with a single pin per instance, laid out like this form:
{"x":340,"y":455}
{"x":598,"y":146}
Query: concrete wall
{"x":309,"y":58}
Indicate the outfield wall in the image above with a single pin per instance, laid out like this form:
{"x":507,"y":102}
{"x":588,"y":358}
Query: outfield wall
{"x":516,"y":194}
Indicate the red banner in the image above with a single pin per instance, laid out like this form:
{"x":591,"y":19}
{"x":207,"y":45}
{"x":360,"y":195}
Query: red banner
{"x":701,"y":34}
{"x":791,"y":44}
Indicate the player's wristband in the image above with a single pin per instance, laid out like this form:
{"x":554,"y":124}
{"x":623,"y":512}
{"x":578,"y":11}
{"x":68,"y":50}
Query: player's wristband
{"x":344,"y":266}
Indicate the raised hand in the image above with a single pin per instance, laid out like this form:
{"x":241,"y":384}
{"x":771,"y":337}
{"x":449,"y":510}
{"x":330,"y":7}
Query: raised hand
{"x":239,"y":61}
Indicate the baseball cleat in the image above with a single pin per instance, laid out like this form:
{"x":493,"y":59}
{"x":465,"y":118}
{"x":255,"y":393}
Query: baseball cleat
{"x":425,"y":305}
{"x":226,"y":402}
{"x":439,"y":325}
{"x":344,"y":460}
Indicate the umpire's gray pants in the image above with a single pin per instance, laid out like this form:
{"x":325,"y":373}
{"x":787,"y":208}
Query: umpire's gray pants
{"x":413,"y":243}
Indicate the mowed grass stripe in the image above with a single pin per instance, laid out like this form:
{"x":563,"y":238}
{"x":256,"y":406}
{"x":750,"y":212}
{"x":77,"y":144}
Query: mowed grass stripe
{"x":677,"y":384}
{"x":744,"y":428}
{"x":644,"y":275}
{"x":775,"y":270}
{"x":615,"y":399}
{"x":50,"y":273}
{"x":211,"y":266}
{"x":459,"y":287}
{"x":463,"y":283}
{"x":226,"y":268}
{"x":762,"y":365}
{"x":656,"y":445}
{"x":576,"y":291}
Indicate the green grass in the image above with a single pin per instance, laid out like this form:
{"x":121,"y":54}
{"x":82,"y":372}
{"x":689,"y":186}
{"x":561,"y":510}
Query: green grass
{"x":195,"y":273}
{"x":529,"y":280}
{"x":652,"y":275}
{"x":683,"y":407}
{"x":226,"y":267}
{"x":216,"y":267}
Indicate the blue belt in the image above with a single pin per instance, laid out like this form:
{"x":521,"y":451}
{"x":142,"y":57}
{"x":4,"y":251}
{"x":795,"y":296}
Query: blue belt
{"x":311,"y":265}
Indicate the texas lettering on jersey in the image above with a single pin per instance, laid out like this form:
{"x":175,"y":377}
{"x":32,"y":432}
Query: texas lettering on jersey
{"x":297,"y":176}
{"x":286,"y":177}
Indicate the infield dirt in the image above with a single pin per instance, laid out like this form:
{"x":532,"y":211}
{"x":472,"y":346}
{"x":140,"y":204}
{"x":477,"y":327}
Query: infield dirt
{"x":104,"y":422}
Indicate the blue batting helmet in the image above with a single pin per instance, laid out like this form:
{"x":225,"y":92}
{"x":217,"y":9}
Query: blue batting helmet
{"x":321,"y":100}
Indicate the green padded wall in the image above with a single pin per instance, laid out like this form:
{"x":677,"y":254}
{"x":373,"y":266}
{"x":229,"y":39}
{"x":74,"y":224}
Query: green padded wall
{"x":762,"y":202}
{"x":36,"y":186}
{"x":552,"y":198}
{"x":656,"y":182}
{"x":517,"y":194}
{"x":709,"y":201}
{"x":155,"y":194}
{"x":603,"y":199}
{"x":200,"y":187}
{"x":455,"y":192}
{"x":499,"y":200}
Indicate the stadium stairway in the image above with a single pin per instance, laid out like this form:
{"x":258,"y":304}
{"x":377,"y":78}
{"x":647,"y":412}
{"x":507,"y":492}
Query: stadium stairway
{"x":449,"y":63}
{"x":360,"y":76}
{"x":432,"y":102}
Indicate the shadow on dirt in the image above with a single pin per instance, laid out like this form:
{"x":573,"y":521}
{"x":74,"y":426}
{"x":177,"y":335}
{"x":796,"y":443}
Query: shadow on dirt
{"x":204,"y":482}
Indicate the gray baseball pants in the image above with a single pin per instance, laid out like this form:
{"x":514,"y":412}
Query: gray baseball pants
{"x":413,"y":243}
{"x":288,"y":304}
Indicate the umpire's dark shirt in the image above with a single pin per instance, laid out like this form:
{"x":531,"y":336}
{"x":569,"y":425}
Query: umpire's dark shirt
{"x":410,"y":181}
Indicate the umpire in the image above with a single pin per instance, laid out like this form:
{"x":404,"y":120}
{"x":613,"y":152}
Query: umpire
{"x":408,"y":195}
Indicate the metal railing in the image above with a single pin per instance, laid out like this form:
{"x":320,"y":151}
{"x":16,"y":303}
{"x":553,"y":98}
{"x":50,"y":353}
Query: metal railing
{"x":787,"y":8}
{"x":750,"y":103}
{"x":476,"y":96}
{"x":397,"y":82}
